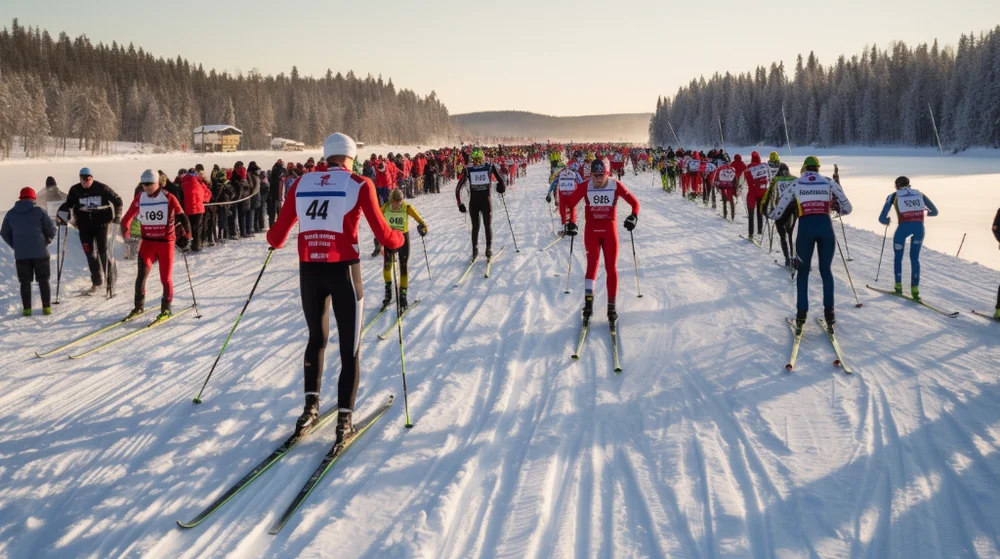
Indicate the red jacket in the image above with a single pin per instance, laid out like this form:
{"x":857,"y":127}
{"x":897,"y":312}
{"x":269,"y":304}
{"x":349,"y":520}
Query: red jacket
{"x":328,"y":208}
{"x":159,"y":217}
{"x":196,"y":194}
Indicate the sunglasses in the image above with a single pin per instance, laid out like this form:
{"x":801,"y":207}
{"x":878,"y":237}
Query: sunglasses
{"x":86,"y":178}
{"x":148,"y":184}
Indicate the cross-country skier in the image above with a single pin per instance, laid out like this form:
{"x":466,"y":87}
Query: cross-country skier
{"x":814,"y":196}
{"x":786,"y":223}
{"x":758,"y":177}
{"x":601,"y":234}
{"x":910,"y":205}
{"x":480,"y":177}
{"x":28,"y":229}
{"x":160,"y":214}
{"x":328,"y":205}
{"x":563,"y":184}
{"x":94,"y":205}
{"x":996,"y":235}
{"x":725,"y":181}
{"x":398,"y":214}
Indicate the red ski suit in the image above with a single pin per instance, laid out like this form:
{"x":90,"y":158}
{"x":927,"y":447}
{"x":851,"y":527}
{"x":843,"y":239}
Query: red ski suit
{"x":601,"y":230}
{"x":158,"y":214}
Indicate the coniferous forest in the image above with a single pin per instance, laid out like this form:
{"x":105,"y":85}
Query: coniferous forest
{"x":880,"y":97}
{"x":97,"y":94}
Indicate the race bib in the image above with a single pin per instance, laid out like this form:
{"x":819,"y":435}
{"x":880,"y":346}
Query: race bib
{"x":479,"y":178}
{"x":727,"y":174}
{"x":694,"y":165}
{"x":320,"y":203}
{"x":567,"y":183}
{"x":910,"y":204}
{"x":396,"y":219}
{"x":154,"y":212}
{"x":814,"y":199}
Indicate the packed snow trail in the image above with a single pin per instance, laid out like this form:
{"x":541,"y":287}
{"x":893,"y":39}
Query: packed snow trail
{"x":703,"y":447}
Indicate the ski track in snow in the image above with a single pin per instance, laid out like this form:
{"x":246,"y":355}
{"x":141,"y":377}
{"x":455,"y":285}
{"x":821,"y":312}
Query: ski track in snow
{"x":703,"y":447}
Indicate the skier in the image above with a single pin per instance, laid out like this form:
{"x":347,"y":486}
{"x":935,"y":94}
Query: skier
{"x":601,"y":233}
{"x":327,"y":206}
{"x":996,"y":235}
{"x":28,"y":229}
{"x":910,"y":205}
{"x":398,"y":214}
{"x":786,"y":223}
{"x":161,"y":214}
{"x":563,"y":184}
{"x":725,"y":182}
{"x":480,"y":177}
{"x":758,"y":176}
{"x":196,"y":195}
{"x":94,"y":205}
{"x":814,"y":196}
{"x":50,"y":198}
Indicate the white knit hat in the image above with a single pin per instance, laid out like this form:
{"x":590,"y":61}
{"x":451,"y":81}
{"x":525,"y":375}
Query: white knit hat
{"x":339,"y":144}
{"x":148,"y":176}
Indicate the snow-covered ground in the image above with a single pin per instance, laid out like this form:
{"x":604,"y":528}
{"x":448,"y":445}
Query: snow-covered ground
{"x":703,"y":447}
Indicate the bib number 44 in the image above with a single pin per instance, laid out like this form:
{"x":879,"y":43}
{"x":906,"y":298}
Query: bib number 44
{"x":318,"y":210}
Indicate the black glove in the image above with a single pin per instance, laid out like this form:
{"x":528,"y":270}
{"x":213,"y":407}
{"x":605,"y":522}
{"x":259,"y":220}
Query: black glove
{"x":461,"y":208}
{"x":182,"y":242}
{"x":501,"y":189}
{"x":570,"y":228}
{"x":422,"y":229}
{"x":630,"y":222}
{"x":548,"y":198}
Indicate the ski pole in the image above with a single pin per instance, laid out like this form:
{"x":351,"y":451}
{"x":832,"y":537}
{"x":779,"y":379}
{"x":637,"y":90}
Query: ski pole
{"x":399,"y":330}
{"x":552,"y":221}
{"x":111,"y":263}
{"x":960,"y":245}
{"x":270,"y":253}
{"x":191,"y":283}
{"x":428,"y":262}
{"x":859,"y":303}
{"x":844,"y":231}
{"x":569,"y":275}
{"x":504,"y":200}
{"x":60,"y":257}
{"x":884,"y":235}
{"x":770,"y":236}
{"x":636,"y":261}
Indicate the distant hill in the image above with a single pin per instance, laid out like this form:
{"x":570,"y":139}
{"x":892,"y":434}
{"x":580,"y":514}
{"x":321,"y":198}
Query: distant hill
{"x":632,"y":127}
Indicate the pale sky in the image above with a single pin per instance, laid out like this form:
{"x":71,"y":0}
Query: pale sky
{"x":552,"y":57}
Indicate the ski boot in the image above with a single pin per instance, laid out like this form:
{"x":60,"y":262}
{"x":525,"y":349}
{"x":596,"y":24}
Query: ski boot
{"x":489,"y":252}
{"x":612,"y":314}
{"x":996,"y":314}
{"x":915,"y":293}
{"x":830,"y":318}
{"x":164,"y":312}
{"x":898,"y":289}
{"x":388,"y":294}
{"x":377,"y":251}
{"x":345,"y":427}
{"x":310,"y":413}
{"x":402,"y":300}
{"x":136,"y":311}
{"x":26,"y":312}
{"x":788,"y":262}
{"x":93,"y":289}
{"x":475,"y":252}
{"x":46,"y":311}
{"x":588,"y":308}
{"x":800,"y":322}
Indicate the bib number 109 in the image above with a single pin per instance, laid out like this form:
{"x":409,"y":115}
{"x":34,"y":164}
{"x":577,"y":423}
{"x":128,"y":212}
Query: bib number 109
{"x":153,"y":216}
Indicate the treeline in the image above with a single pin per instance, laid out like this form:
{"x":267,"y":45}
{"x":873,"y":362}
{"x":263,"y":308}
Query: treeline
{"x":71,"y":88}
{"x":879,"y":97}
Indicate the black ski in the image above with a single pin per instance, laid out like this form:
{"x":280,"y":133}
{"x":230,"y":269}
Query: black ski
{"x":240,"y":485}
{"x":331,"y":457}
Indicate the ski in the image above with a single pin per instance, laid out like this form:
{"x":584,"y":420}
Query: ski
{"x":86,"y":337}
{"x":921,"y":303}
{"x":788,"y":269}
{"x":583,"y":337}
{"x":467,"y":270}
{"x":553,"y":243}
{"x":240,"y":485}
{"x":614,"y":346}
{"x":839,"y":361}
{"x":385,"y":335}
{"x":984,"y":315}
{"x":131,"y":334}
{"x":752,"y":240}
{"x":795,"y":344}
{"x":331,"y":457}
{"x":373,"y":321}
{"x":489,"y":261}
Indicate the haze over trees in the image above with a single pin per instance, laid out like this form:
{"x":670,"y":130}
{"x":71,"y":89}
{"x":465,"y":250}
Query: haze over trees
{"x":525,"y":126}
{"x":875,"y":98}
{"x":98,"y":94}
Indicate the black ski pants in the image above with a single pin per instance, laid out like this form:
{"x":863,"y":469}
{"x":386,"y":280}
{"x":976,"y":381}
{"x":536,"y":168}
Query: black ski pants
{"x":481,"y":209}
{"x":336,"y":284}
{"x":36,"y":269}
